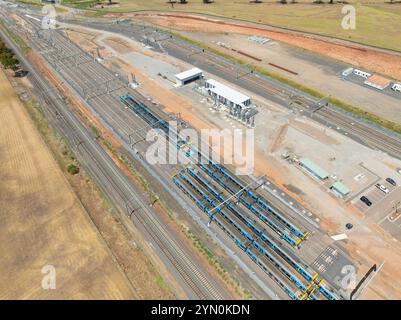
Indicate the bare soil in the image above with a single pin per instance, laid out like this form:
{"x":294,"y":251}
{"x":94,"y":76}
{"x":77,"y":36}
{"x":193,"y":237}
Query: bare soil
{"x":148,"y":275}
{"x":363,"y":245}
{"x":42,"y":227}
{"x":368,"y":58}
{"x":148,"y":290}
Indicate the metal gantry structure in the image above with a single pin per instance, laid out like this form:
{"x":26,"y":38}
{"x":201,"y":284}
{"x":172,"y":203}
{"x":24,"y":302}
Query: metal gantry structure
{"x":244,"y":218}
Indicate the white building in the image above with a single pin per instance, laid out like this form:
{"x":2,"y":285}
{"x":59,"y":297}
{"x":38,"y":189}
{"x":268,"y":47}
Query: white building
{"x":226,"y":95}
{"x":188,"y":76}
{"x":239,"y":105}
{"x":340,"y":189}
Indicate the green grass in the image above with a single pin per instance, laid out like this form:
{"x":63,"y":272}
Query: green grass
{"x":80,"y":4}
{"x":17,"y":39}
{"x":378,"y":23}
{"x":72,"y":169}
{"x":95,"y":131}
{"x":31,"y":3}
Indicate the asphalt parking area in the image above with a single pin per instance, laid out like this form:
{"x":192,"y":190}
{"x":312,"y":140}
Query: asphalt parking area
{"x":374,"y":194}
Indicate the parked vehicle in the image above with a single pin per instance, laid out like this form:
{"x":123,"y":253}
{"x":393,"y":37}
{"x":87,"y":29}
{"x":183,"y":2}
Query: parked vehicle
{"x":347,"y":72}
{"x":361,"y":73}
{"x":349,"y":226}
{"x":382,"y":188}
{"x":396,"y":87}
{"x":391,"y":181}
{"x":366,"y":201}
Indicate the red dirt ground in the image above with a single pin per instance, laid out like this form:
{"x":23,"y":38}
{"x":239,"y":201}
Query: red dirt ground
{"x":375,"y":60}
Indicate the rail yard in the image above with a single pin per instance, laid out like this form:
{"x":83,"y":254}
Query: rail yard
{"x":272,"y":236}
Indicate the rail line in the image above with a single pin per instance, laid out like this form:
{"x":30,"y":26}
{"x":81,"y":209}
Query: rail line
{"x":235,"y":218}
{"x":265,"y":250}
{"x":366,"y":134}
{"x":373,"y":138}
{"x":116,"y":186}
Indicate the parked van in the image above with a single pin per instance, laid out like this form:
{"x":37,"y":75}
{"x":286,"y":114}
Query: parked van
{"x":396,"y":87}
{"x":347,"y":72}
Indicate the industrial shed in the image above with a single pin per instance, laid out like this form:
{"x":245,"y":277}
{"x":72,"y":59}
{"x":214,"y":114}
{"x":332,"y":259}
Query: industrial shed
{"x":313,"y":169}
{"x":340,"y":189}
{"x":239,"y":105}
{"x":226,"y":95}
{"x":188,"y":76}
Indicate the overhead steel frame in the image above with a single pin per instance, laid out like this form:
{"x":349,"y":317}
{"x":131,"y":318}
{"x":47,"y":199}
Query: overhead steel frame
{"x":145,"y":113}
{"x":257,"y":198}
{"x":210,"y":205}
{"x":254,"y":210}
{"x":150,"y":117}
{"x":132,"y":142}
{"x":247,"y":222}
{"x":258,"y":201}
{"x":237,"y":241}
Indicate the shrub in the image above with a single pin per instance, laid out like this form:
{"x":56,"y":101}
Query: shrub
{"x":73,"y":169}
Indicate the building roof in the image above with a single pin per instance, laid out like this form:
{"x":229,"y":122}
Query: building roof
{"x":188,"y":74}
{"x":378,"y":81}
{"x":227,"y":92}
{"x":340,"y":187}
{"x":311,"y":166}
{"x":341,"y":236}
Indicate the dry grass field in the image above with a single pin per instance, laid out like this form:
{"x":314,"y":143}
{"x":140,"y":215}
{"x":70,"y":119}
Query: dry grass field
{"x":377,"y":21}
{"x":43,"y":223}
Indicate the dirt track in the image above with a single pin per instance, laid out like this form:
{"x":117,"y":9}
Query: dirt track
{"x":357,"y":55}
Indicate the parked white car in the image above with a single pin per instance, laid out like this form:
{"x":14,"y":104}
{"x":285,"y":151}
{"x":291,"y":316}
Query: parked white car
{"x":382,"y":188}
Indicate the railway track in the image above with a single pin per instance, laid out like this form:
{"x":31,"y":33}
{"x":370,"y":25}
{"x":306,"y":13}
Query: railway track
{"x":246,"y":231}
{"x":354,"y":128}
{"x":118,"y":188}
{"x":361,"y":131}
{"x":373,"y":138}
{"x":106,"y":105}
{"x":368,"y":135}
